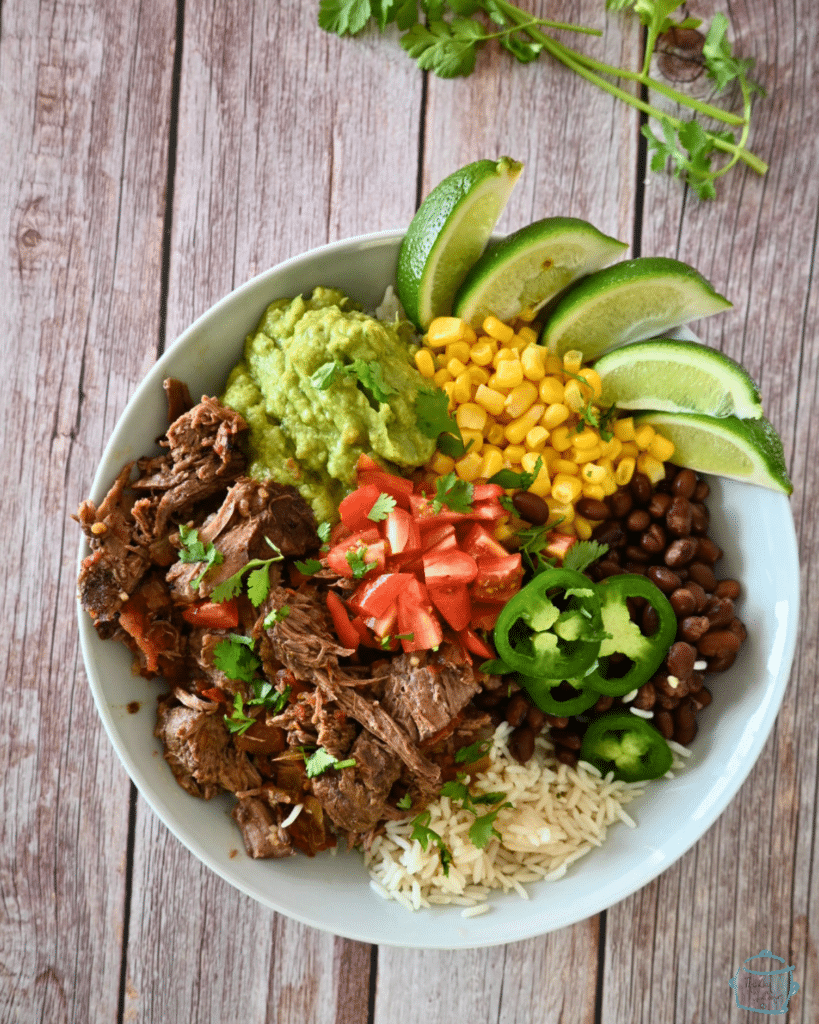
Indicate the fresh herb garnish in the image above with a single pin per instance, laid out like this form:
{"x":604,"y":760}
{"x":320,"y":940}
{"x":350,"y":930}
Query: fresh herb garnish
{"x":483,"y":827}
{"x":324,"y":530}
{"x":426,"y":835}
{"x":581,"y":555}
{"x":474,"y":752}
{"x":277,"y":615}
{"x":308,"y":567}
{"x":434,"y":420}
{"x":386,"y":641}
{"x":234,"y":656}
{"x":384,"y":504}
{"x":444,"y":36}
{"x":453,"y":492}
{"x":369,"y":375}
{"x":258,"y":582}
{"x":238,"y":722}
{"x":193,"y":550}
{"x":356,"y":559}
{"x":509,"y":479}
{"x":269,"y":698}
{"x":320,"y":760}
{"x":404,"y":803}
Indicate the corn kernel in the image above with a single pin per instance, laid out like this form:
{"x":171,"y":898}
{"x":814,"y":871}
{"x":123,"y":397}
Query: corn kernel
{"x":492,"y":462}
{"x":504,"y":532}
{"x":520,"y":399}
{"x":455,"y":367}
{"x":624,"y":429}
{"x":554,"y":364}
{"x":572,"y":360}
{"x":496,"y":329}
{"x":587,"y":438}
{"x":473,"y":440}
{"x":625,"y":471}
{"x":661,"y":448}
{"x":458,"y":350}
{"x":529,"y":461}
{"x":482,"y":353}
{"x":527,"y":314}
{"x":653,"y":468}
{"x":563,"y":510}
{"x":551,"y":390}
{"x":444,"y":330}
{"x":529,"y":335}
{"x":541,"y":485}
{"x":593,"y":474}
{"x":424,"y":362}
{"x":566,"y":528}
{"x":463,"y":388}
{"x":564,"y":466}
{"x":469,"y":467}
{"x":555,"y":415}
{"x":593,"y":491}
{"x":442,"y":377}
{"x":509,"y":373}
{"x":503,"y":354}
{"x":470,"y":416}
{"x":609,"y":486}
{"x":492,"y":401}
{"x":592,"y":381}
{"x":449,"y":387}
{"x":537,"y":438}
{"x":573,"y":396}
{"x":583,"y":455}
{"x":561,"y":442}
{"x":533,"y":361}
{"x":582,"y":527}
{"x":495,"y":434}
{"x":441,"y":464}
{"x":566,"y":488}
{"x":514,"y":453}
{"x":613,"y":448}
{"x":516,"y":431}
{"x":477,"y":374}
{"x":518,"y":344}
{"x":643,"y":436}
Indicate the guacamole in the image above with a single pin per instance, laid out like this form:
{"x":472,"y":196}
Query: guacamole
{"x":320,"y":383}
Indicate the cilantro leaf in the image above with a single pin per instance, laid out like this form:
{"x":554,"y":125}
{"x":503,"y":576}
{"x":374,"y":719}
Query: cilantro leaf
{"x":721,"y":66}
{"x":453,"y":492}
{"x":193,"y":550}
{"x":371,"y":377}
{"x":234,"y":656}
{"x":277,"y":615}
{"x":308,"y":567}
{"x":508,"y":478}
{"x":344,"y":17}
{"x":321,"y":760}
{"x":238,"y":722}
{"x":474,"y":752}
{"x":324,"y":530}
{"x":581,"y":555}
{"x":448,"y":48}
{"x":357,"y":562}
{"x":269,"y":698}
{"x":258,"y":583}
{"x":483,"y":828}
{"x":404,"y":803}
{"x":426,"y":835}
{"x":384,"y":504}
{"x":434,"y":419}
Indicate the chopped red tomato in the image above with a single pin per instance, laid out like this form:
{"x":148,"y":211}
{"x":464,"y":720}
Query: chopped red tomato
{"x":134,"y":619}
{"x":374,"y":597}
{"x":418,"y":626}
{"x":480,"y":543}
{"x":454,"y":604}
{"x":345,"y":630}
{"x":396,"y":486}
{"x":475,"y":645}
{"x":485,"y":614}
{"x":498,"y":579}
{"x":402,"y":533}
{"x":356,"y":506}
{"x":210,"y":615}
{"x":352,"y":556}
{"x":559,"y":544}
{"x":447,"y":568}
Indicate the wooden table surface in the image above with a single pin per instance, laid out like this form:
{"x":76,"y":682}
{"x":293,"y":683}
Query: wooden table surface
{"x":157,"y":155}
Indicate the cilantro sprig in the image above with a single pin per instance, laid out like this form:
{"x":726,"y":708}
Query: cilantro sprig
{"x":321,"y":759}
{"x":238,"y":722}
{"x":509,"y":478}
{"x":193,"y":550}
{"x":384,"y":504}
{"x":234,"y":656}
{"x":426,"y":835}
{"x":369,"y":375}
{"x":483,"y":827}
{"x":445,"y":36}
{"x":434,"y":420}
{"x":258,"y":581}
{"x":582,"y":554}
{"x":454,"y":493}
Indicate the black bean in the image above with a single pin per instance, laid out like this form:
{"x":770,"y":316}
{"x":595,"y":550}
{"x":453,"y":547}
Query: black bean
{"x":531,"y":507}
{"x":591,"y":508}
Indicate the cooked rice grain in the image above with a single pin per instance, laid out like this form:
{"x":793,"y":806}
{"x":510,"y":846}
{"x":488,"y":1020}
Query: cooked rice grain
{"x":558,"y":815}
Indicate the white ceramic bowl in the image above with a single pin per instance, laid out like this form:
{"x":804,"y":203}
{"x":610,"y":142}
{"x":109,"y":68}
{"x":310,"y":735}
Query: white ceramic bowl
{"x":753,"y":526}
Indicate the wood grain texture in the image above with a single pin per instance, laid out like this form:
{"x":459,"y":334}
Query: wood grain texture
{"x":82,"y":206}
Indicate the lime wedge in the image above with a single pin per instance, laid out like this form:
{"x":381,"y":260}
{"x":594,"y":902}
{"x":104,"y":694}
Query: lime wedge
{"x":677,"y":376}
{"x":630,"y":301}
{"x":528,"y":268}
{"x":448,"y":234}
{"x":748,"y":450}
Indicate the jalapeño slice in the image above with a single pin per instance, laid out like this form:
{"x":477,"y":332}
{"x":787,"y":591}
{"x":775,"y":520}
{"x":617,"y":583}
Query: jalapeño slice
{"x":627,"y":745}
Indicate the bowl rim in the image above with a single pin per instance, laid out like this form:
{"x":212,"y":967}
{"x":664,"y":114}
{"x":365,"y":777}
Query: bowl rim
{"x":607,"y":896}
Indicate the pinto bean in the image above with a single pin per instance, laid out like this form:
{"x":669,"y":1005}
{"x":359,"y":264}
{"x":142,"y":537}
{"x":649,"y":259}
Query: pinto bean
{"x":678,"y":517}
{"x":680,"y":552}
{"x":704,"y":575}
{"x":522,"y":743}
{"x":727,"y":588}
{"x":517,"y":709}
{"x":684,"y":483}
{"x":663,"y":578}
{"x":719,"y":643}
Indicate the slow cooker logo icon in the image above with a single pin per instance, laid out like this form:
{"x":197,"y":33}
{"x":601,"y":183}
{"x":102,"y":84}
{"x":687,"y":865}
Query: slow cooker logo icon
{"x":763,"y":985}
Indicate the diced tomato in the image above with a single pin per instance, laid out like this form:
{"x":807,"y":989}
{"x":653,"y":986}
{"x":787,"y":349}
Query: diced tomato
{"x":487,"y":511}
{"x":402,"y":532}
{"x":485,"y":614}
{"x":447,"y":568}
{"x":338,"y":533}
{"x":498,"y":579}
{"x":365,"y":463}
{"x":211,"y":615}
{"x":480,"y":543}
{"x":476,"y":645}
{"x":369,"y":542}
{"x":559,"y":544}
{"x":416,"y":620}
{"x":386,"y":624}
{"x":215,"y":694}
{"x":486,"y":492}
{"x":396,"y":486}
{"x":354,"y":508}
{"x":434,"y":536}
{"x":374,"y":597}
{"x":133,"y":617}
{"x":454,"y":604}
{"x":345,"y":630}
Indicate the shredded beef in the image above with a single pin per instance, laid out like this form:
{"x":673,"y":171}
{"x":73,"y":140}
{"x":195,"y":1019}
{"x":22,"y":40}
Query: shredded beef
{"x":355,"y":797}
{"x":261,"y":828}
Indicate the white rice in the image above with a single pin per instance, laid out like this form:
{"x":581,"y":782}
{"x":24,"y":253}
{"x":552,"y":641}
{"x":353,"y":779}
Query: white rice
{"x":558,"y":815}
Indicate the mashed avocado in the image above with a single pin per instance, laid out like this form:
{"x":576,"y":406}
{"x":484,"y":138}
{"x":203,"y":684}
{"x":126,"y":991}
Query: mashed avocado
{"x":320,"y":383}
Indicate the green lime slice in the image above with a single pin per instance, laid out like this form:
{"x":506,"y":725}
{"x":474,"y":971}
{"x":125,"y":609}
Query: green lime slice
{"x":677,"y":376}
{"x":630,"y":301}
{"x":747,"y":450}
{"x":448,"y":234}
{"x":528,"y":268}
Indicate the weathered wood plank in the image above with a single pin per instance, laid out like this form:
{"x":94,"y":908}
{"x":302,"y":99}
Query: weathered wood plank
{"x":279,"y":148}
{"x":749,"y":883}
{"x":82,"y":207}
